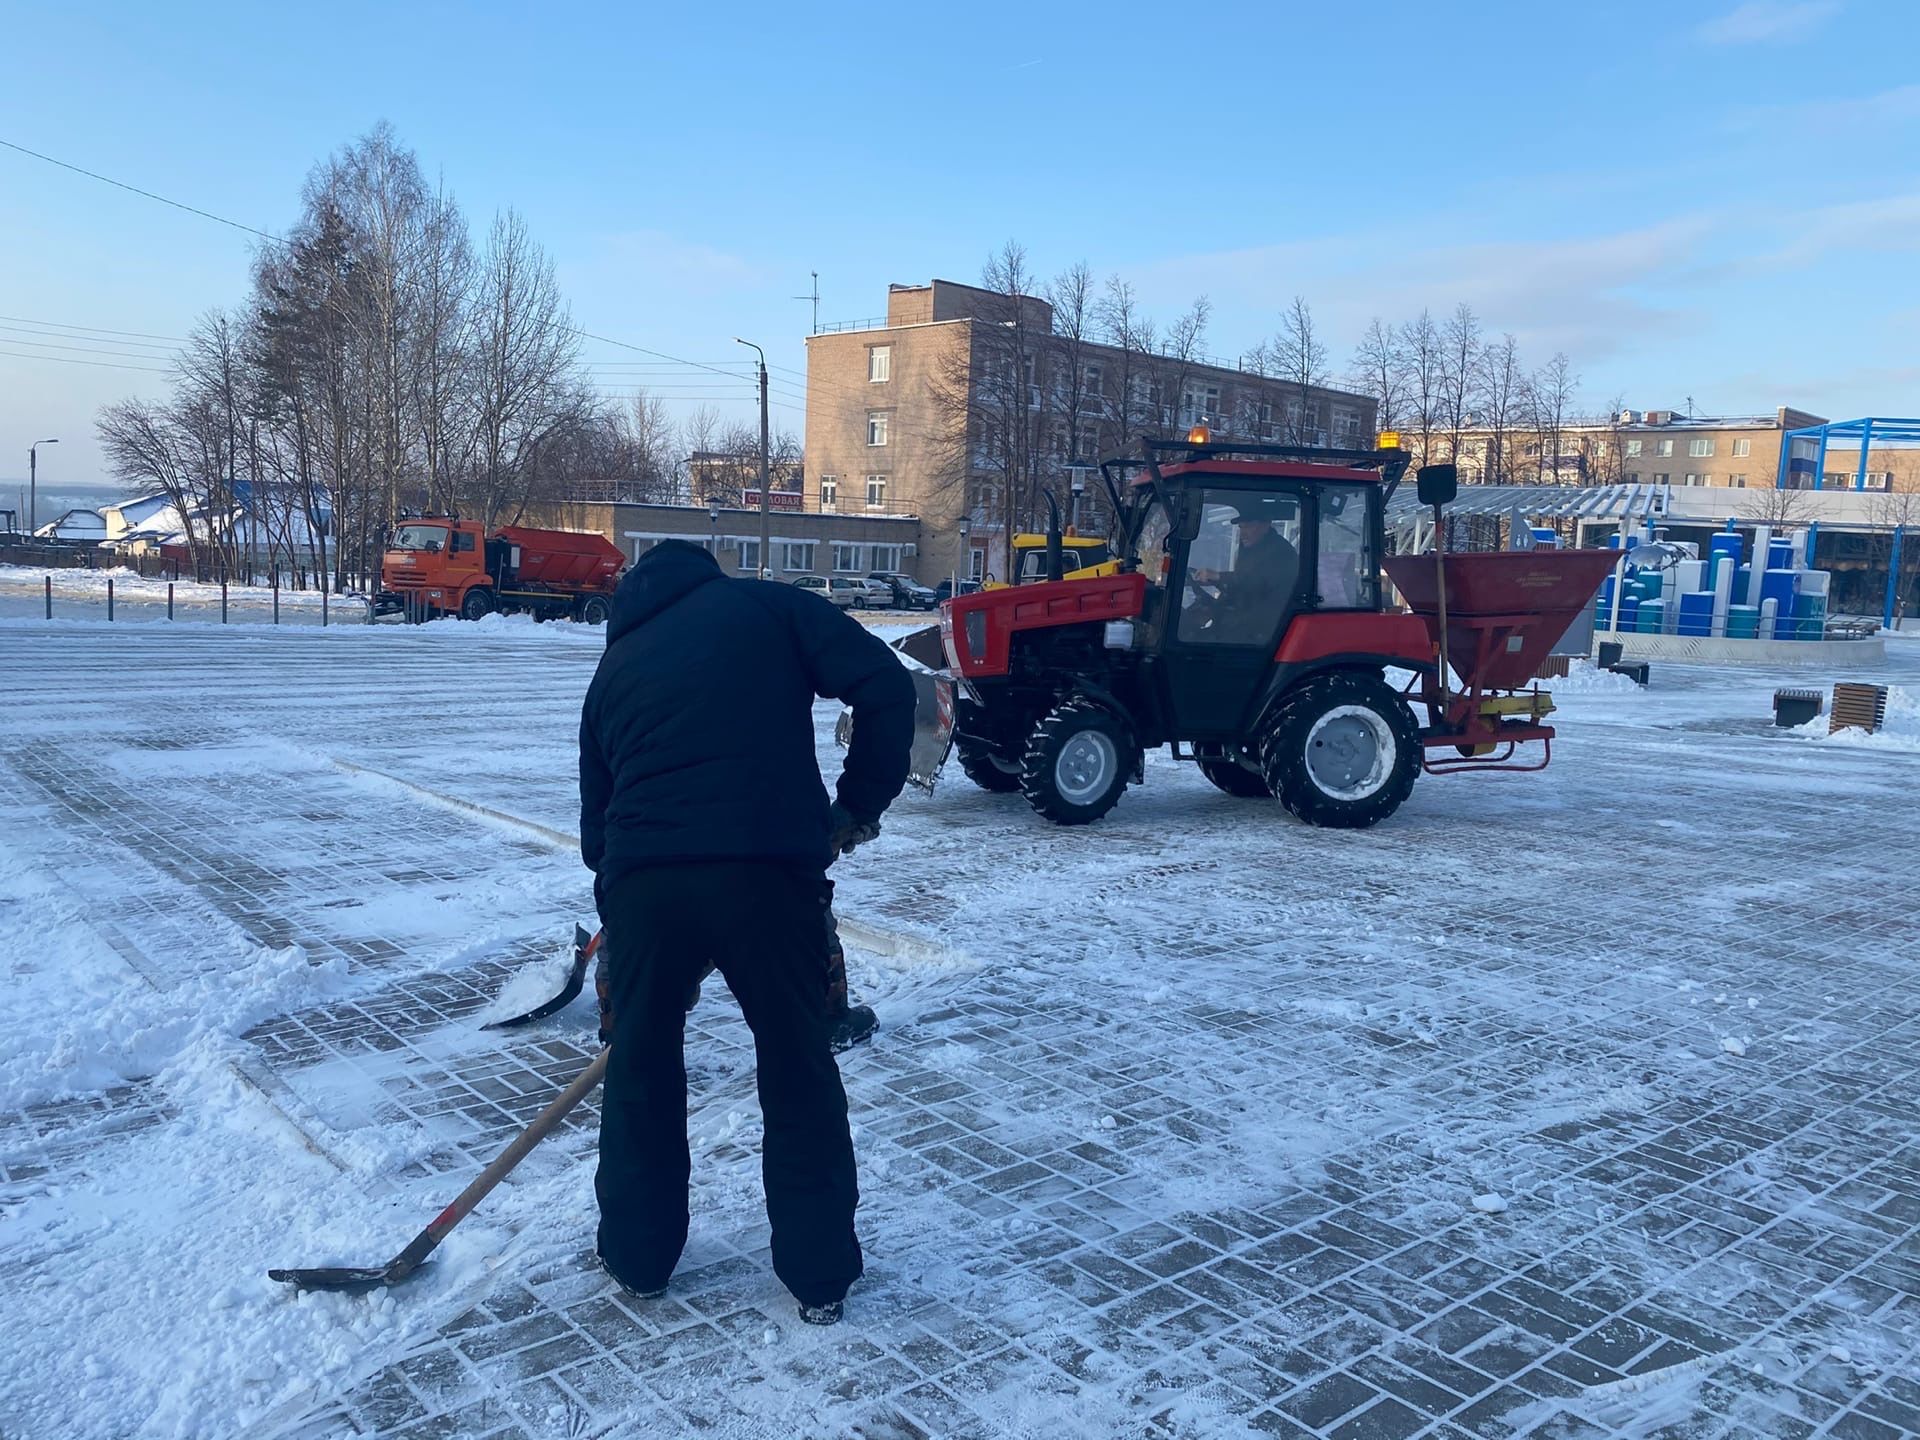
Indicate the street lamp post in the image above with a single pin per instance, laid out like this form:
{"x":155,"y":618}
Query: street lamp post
{"x":965,"y":530}
{"x":713,"y":529}
{"x":766,"y":499}
{"x":33,"y":483}
{"x":1079,"y":488}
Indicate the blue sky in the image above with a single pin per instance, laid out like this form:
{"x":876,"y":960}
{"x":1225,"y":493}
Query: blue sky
{"x":1714,"y":200}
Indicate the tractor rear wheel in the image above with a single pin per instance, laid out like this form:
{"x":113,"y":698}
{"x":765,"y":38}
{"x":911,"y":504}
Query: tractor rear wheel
{"x":1078,"y":762}
{"x":1236,"y":779}
{"x":477,"y":604}
{"x":986,"y":767}
{"x":1341,"y":750}
{"x":595,"y":610}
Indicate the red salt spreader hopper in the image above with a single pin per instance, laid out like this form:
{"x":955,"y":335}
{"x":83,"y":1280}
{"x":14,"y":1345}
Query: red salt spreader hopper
{"x":1493,"y":618}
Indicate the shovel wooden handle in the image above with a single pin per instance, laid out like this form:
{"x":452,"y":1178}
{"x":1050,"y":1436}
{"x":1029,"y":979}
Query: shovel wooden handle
{"x":437,"y":1230}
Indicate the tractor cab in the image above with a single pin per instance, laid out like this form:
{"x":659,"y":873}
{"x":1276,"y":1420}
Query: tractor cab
{"x":1238,"y":545}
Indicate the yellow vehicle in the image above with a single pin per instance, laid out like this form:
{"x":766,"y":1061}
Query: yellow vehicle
{"x":1082,"y":557}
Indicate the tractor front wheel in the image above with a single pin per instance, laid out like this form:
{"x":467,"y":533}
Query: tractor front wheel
{"x":478,"y":603}
{"x":1341,"y":751}
{"x":1230,"y":775}
{"x":986,"y":767}
{"x":1078,"y":762}
{"x":595,"y":610}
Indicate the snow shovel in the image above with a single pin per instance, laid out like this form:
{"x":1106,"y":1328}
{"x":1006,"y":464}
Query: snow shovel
{"x":585,"y":947}
{"x":359,"y":1280}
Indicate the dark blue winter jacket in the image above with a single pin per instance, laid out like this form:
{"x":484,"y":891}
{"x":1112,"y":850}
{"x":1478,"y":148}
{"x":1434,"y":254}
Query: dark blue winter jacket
{"x":697,"y":736}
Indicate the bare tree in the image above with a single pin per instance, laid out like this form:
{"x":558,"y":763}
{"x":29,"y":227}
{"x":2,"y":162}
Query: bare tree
{"x":1300,"y":358}
{"x":524,"y":355}
{"x":1459,"y":370}
{"x":1380,"y":370}
{"x":1072,"y":296}
{"x":1502,"y":391}
{"x":1426,"y":371}
{"x":1554,"y":385}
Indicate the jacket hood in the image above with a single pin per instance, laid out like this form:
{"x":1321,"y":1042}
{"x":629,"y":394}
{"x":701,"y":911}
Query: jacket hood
{"x":670,"y":570}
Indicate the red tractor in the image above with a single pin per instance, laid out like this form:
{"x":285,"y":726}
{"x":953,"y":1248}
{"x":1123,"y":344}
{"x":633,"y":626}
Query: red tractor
{"x":1247,"y":624}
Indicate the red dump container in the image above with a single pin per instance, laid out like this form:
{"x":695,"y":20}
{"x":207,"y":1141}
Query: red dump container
{"x":564,"y":559}
{"x":1505,"y":609}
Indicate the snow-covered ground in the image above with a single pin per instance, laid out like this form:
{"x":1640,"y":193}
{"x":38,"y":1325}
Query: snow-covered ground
{"x":1577,"y":1099}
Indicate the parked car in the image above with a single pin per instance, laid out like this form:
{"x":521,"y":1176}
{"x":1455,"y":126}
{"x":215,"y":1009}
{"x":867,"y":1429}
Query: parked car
{"x":871,"y":594}
{"x":841,"y":591}
{"x":944,"y":591}
{"x":906,"y":592}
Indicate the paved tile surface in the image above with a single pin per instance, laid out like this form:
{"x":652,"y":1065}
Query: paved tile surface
{"x":1571,"y":1105}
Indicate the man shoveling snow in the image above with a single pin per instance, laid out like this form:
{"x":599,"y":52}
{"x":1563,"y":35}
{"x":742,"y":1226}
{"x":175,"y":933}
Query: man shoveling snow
{"x":709,"y":832}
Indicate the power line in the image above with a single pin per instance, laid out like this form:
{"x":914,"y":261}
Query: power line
{"x":98,"y":364}
{"x":94,"y":329}
{"x":148,"y":194}
{"x":78,"y":349}
{"x":277,"y":240}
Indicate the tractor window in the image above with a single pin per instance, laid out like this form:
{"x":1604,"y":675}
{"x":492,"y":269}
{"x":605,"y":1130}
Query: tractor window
{"x":1242,"y":568}
{"x":462,"y":541}
{"x":1348,"y":572}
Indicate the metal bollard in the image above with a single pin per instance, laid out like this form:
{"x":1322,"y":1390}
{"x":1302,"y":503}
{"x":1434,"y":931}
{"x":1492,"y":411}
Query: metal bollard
{"x":49,"y":580}
{"x":170,"y":600}
{"x":276,"y":597}
{"x":109,"y":599}
{"x":323,"y":602}
{"x":223,"y":599}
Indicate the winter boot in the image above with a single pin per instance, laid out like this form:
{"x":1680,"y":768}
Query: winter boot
{"x":827,"y":1314}
{"x":852,"y":1024}
{"x":627,"y":1288}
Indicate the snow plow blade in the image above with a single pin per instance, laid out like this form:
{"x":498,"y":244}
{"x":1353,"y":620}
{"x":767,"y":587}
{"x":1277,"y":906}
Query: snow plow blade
{"x":921,"y":654}
{"x":585,"y":946}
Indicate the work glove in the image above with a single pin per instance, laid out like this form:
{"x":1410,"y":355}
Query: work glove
{"x":846,"y":832}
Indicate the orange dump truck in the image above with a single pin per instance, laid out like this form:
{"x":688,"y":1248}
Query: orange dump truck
{"x":438,"y":565}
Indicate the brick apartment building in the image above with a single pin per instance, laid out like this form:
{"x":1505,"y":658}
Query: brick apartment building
{"x":1661,"y":447}
{"x":921,"y":412}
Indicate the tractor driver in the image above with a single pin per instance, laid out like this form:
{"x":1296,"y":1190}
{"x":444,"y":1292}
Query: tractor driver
{"x":1252,"y":594}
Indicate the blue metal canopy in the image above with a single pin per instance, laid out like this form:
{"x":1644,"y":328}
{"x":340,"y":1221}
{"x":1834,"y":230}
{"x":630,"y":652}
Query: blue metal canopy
{"x":1803,"y":452}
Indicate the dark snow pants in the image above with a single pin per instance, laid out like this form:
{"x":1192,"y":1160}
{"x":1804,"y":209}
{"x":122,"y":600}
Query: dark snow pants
{"x":764,"y":925}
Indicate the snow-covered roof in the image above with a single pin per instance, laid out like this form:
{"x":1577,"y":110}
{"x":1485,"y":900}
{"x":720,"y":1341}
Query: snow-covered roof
{"x":76,"y":525}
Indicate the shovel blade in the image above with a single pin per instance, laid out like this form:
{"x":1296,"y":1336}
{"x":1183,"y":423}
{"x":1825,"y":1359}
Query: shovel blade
{"x":340,"y":1277}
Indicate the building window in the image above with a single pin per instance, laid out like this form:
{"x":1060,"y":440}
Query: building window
{"x":1693,"y":479}
{"x":1663,"y":447}
{"x":1700,"y":446}
{"x":1737,"y":480}
{"x":976,"y":563}
{"x":1092,"y":380}
{"x":1743,"y":448}
{"x":876,"y":427}
{"x":1662,"y":477}
{"x":846,"y":559}
{"x":750,"y":556}
{"x":886,"y":559}
{"x":879,"y":363}
{"x":1632,"y":477}
{"x":1633,"y":447}
{"x":1087,"y":443}
{"x":799,"y":555}
{"x":876,"y":492}
{"x":829,"y":491}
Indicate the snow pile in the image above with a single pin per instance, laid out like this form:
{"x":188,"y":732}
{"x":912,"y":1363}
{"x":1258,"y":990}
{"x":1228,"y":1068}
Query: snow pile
{"x":1899,"y":731}
{"x":1583,"y":677}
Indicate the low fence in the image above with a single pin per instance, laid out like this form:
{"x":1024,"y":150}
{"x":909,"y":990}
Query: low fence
{"x":207,"y":570}
{"x":181,"y":598}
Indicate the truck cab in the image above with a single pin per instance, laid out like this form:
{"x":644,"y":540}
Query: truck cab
{"x":434,"y":565}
